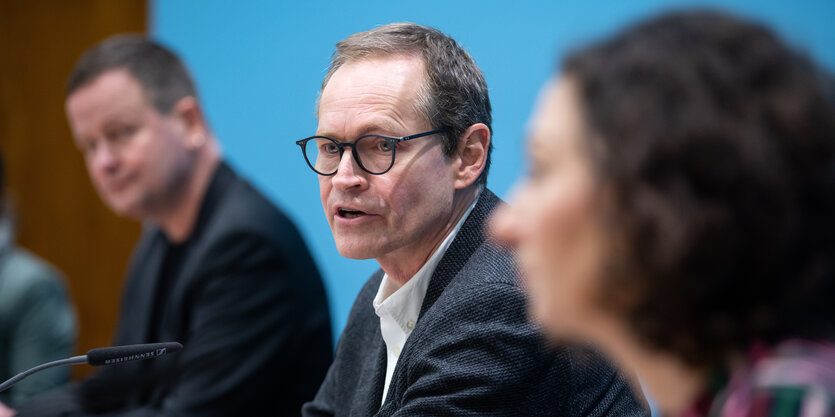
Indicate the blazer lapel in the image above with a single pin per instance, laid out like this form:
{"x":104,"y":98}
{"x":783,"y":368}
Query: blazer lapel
{"x":469,"y":238}
{"x":370,"y":388}
{"x":373,"y":374}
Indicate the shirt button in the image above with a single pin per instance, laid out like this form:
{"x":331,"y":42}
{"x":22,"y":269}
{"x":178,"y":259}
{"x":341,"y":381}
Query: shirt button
{"x":410,"y":324}
{"x":396,"y":350}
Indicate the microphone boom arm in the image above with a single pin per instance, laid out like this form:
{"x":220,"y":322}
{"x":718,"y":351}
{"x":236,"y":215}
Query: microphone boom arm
{"x":75,"y":360}
{"x":104,"y":356}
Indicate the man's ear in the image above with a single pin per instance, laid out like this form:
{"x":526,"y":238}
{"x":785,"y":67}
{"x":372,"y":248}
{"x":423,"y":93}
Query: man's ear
{"x":471,"y":156}
{"x":190,"y":115}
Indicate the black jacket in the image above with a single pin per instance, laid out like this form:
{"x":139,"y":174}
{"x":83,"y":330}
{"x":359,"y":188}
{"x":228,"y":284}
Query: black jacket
{"x":247,"y":303}
{"x":472,"y":351}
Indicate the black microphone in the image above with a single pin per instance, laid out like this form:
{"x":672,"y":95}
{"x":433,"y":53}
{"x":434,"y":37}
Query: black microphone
{"x":103,"y":356}
{"x":120,"y":354}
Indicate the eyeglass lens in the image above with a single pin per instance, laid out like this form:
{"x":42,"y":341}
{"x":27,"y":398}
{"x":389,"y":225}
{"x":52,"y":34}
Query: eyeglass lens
{"x":374,"y":153}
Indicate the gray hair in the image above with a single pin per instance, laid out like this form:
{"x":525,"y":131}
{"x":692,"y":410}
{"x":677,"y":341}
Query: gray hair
{"x":454,"y":95}
{"x":162,"y":74}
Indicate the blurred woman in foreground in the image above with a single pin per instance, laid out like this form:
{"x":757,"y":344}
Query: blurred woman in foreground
{"x":680,"y":213}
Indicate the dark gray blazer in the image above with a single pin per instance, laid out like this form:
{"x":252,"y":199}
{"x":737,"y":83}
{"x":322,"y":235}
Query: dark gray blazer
{"x":247,"y":304}
{"x":472,"y":351}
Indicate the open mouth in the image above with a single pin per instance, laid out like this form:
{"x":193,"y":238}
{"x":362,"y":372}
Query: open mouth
{"x":350,"y":214}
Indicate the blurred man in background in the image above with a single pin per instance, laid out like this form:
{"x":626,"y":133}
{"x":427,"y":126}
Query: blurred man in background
{"x":218,"y":267}
{"x":37,"y":322}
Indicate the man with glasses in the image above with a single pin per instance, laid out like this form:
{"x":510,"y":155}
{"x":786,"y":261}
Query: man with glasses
{"x":402,"y":152}
{"x":218,"y":267}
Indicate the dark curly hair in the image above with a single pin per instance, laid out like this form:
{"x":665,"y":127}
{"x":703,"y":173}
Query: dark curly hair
{"x":717,"y":142}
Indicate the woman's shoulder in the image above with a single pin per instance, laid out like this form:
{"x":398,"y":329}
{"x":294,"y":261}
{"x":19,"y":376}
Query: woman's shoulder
{"x":794,"y":378}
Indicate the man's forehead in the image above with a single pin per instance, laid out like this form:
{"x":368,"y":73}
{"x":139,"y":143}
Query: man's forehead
{"x":112,"y":95}
{"x":115,"y":86}
{"x":394,"y":71}
{"x":382,"y":91}
{"x":412,"y":60}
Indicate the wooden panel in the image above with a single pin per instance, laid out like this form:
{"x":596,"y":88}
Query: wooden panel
{"x":60,"y":216}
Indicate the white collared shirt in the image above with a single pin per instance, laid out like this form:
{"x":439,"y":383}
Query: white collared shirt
{"x":398,"y":309}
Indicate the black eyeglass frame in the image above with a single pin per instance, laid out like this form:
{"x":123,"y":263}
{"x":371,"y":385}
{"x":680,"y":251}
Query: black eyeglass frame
{"x":341,"y":145}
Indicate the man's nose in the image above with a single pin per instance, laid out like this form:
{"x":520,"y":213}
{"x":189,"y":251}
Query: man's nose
{"x":105,"y":158}
{"x":349,"y":174}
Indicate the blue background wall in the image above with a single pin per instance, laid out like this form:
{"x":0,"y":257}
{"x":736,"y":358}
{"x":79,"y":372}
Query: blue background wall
{"x":259,"y":64}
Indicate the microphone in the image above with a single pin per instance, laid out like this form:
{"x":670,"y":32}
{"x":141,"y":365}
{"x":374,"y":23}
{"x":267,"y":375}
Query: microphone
{"x":120,"y":354}
{"x":103,"y":356}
